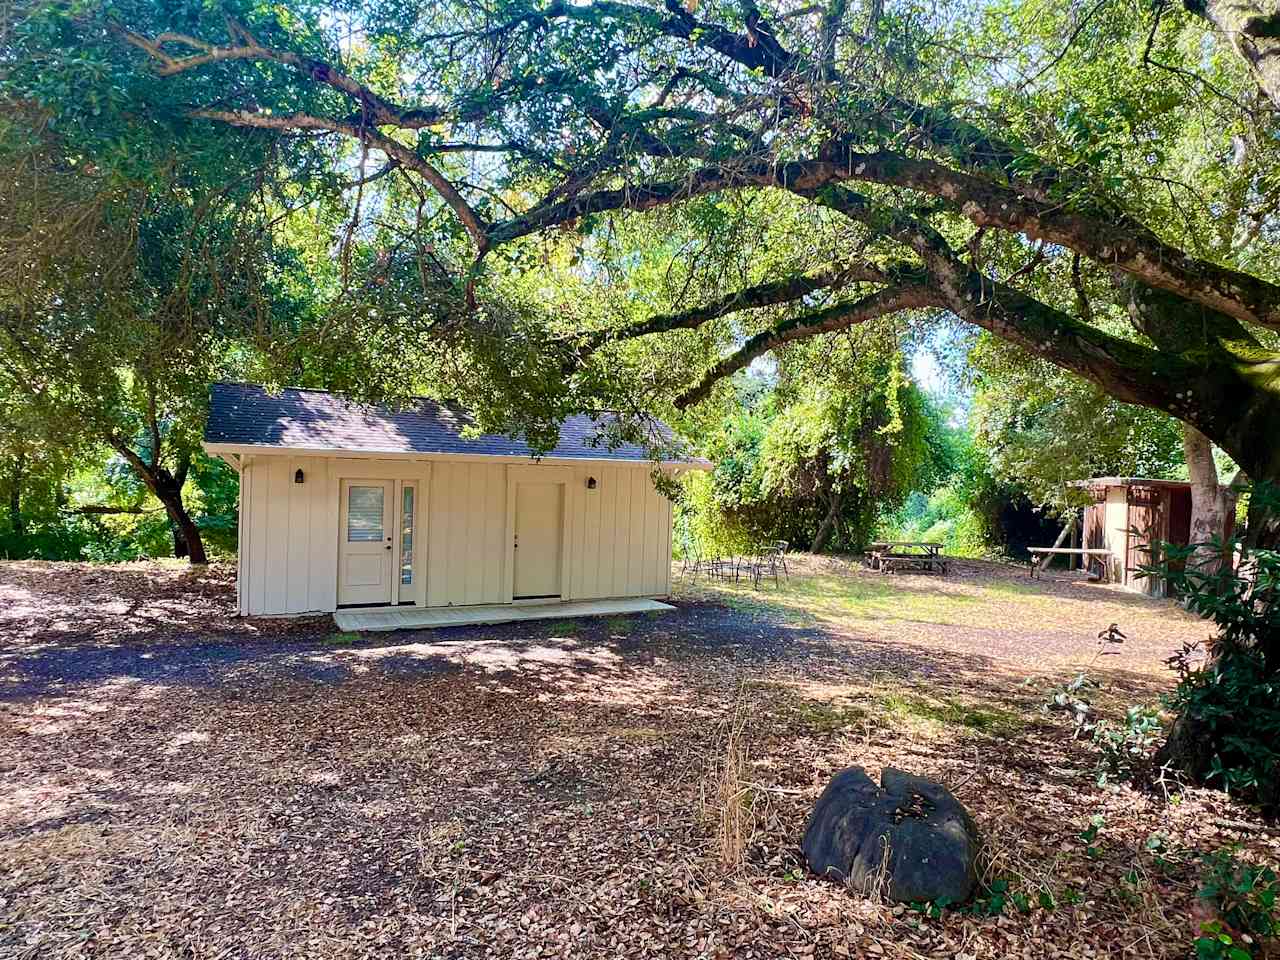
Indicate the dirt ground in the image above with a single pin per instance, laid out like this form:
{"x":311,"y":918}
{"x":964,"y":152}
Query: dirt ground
{"x":177,"y":782}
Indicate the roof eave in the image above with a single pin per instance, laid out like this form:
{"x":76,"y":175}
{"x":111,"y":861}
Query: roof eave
{"x":218,"y":449}
{"x":1127,"y":482}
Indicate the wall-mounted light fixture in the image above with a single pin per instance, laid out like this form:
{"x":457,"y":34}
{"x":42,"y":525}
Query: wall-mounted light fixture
{"x":591,"y":483}
{"x":298,"y":476}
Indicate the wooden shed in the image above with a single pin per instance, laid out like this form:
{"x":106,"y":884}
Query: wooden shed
{"x":1128,"y":517}
{"x":346,"y":506}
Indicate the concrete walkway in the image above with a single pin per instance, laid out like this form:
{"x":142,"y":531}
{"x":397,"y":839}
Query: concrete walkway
{"x":420,"y":618}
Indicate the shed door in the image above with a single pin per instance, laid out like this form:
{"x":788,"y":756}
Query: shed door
{"x":539,"y":526}
{"x":1095,"y":521}
{"x":365,"y":554}
{"x":1147,"y":529}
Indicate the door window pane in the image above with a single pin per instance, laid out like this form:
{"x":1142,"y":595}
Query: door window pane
{"x":364,"y":514}
{"x":406,"y":537}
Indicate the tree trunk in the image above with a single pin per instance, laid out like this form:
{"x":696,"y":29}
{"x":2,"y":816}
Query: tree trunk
{"x":187,"y":541}
{"x":167,"y":488}
{"x":1263,"y":522}
{"x":1191,"y":750}
{"x":828,"y":523}
{"x":180,"y":548}
{"x":1211,"y":502}
{"x":1193,"y":743}
{"x":15,"y":494}
{"x":1188,"y":750}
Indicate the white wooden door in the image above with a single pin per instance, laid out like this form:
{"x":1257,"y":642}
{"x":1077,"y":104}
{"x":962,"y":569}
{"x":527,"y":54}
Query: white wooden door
{"x":539,"y":527}
{"x":366,"y":542}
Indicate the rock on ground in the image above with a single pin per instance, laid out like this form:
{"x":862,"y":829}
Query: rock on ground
{"x":908,"y":839}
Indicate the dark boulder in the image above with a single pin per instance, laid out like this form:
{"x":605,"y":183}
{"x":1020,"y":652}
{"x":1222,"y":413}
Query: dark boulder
{"x":931,"y":841}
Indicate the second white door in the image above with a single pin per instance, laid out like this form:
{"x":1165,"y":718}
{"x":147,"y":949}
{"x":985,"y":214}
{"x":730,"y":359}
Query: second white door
{"x":538,"y":544}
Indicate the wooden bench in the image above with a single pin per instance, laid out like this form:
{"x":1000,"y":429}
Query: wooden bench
{"x":1040,"y":557}
{"x":925,"y":563}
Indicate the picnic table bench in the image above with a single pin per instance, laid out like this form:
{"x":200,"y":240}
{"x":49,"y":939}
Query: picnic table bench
{"x":892,"y":556}
{"x":1040,"y":557}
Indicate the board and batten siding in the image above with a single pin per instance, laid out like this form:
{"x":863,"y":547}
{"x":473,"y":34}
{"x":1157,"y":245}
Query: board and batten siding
{"x":289,"y":536}
{"x":467,"y":553}
{"x":617,"y":536}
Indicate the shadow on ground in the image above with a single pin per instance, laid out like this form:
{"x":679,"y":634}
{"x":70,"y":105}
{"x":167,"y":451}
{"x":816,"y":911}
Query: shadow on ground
{"x":698,"y":635}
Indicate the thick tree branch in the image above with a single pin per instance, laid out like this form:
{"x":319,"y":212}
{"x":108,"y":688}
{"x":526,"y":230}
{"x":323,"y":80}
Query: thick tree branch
{"x":1176,"y":326}
{"x":1126,"y":246}
{"x":375,"y":107}
{"x":896,"y":224}
{"x":1127,"y":370}
{"x":1121,"y":244}
{"x":394,"y":150}
{"x":833,"y":318}
{"x":769,"y":293}
{"x":805,"y":178}
{"x":148,"y":473}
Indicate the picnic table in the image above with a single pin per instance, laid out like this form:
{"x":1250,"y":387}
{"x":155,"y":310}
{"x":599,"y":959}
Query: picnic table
{"x":1040,"y":557}
{"x":891,"y":556}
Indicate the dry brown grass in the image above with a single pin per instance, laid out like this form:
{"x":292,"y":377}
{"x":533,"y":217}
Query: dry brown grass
{"x":876,"y":886}
{"x":731,"y":803}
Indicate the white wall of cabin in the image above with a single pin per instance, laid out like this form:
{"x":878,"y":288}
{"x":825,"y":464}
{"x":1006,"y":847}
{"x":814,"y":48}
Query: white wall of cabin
{"x":617,"y":537}
{"x":1116,"y":521}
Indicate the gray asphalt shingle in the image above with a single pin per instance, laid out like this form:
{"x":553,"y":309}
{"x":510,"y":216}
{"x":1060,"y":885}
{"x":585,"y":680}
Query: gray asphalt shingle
{"x":317,"y":420}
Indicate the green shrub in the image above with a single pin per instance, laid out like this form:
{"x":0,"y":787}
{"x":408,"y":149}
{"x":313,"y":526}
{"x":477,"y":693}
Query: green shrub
{"x":1229,"y":708}
{"x":1245,"y":897}
{"x":1228,"y":705}
{"x":943,"y":517}
{"x":1234,"y":702}
{"x":1126,"y":748}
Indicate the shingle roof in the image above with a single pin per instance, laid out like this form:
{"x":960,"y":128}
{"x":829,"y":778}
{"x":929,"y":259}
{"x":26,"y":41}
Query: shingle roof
{"x":245,"y":414}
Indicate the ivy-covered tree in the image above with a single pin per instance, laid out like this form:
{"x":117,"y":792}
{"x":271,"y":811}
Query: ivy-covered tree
{"x":827,"y":443}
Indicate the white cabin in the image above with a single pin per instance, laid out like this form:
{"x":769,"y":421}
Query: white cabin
{"x":350,"y":505}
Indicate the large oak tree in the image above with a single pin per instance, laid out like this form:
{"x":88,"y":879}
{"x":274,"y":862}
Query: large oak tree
{"x":1086,"y":183}
{"x":1083,"y":183}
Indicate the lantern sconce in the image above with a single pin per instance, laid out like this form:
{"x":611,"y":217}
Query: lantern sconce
{"x":591,"y":483}
{"x":298,"y":476}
